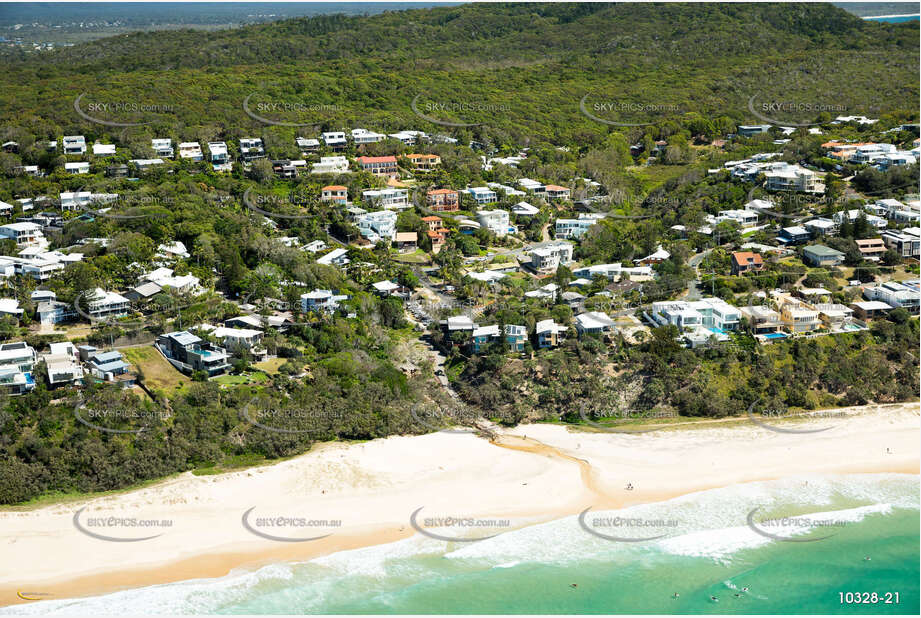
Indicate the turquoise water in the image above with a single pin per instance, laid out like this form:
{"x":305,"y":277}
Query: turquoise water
{"x":895,"y":20}
{"x":711,"y":552}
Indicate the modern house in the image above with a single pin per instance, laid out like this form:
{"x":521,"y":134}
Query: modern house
{"x":496,"y":221}
{"x":546,"y":259}
{"x":549,"y":334}
{"x":17,"y":362}
{"x":62,"y":364}
{"x":321,"y":300}
{"x":482,"y":195}
{"x":335,"y":140}
{"x":786,"y":177}
{"x":220,"y":158}
{"x":895,"y":294}
{"x":397,"y":199}
{"x":575,"y":228}
{"x":906,"y":242}
{"x":515,"y":337}
{"x":336,"y":257}
{"x":871,"y":309}
{"x":749,"y":130}
{"x":307,"y":145}
{"x":523,"y":209}
{"x":251,"y":148}
{"x":378,"y":225}
{"x":794,"y":235}
{"x":110,"y":367}
{"x":74,"y":144}
{"x":713,"y":314}
{"x":80,"y":167}
{"x":190,"y":353}
{"x":103,"y":150}
{"x":162,"y":147}
{"x":363,"y":136}
{"x":190,"y":150}
{"x":24,"y":234}
{"x":331,"y":165}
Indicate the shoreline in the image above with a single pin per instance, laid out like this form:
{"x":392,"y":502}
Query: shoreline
{"x":373,"y":488}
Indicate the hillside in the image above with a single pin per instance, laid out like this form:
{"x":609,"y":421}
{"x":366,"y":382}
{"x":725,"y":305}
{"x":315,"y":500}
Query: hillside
{"x":521,"y":69}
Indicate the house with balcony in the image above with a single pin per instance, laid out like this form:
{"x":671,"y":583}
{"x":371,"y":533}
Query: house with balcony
{"x":496,"y":221}
{"x":793,"y":235}
{"x":556,"y":192}
{"x":896,"y":295}
{"x":251,"y":148}
{"x":713,"y":314}
{"x":307,"y":145}
{"x":62,"y":364}
{"x":798,"y":317}
{"x":385,"y":167}
{"x":546,"y":259}
{"x":336,"y":257}
{"x":575,"y":228}
{"x":52,"y":312}
{"x":74,"y":145}
{"x":906,"y":242}
{"x":482,"y":195}
{"x":220,"y":158}
{"x":378,"y":225}
{"x":17,"y":364}
{"x":335,"y":140}
{"x":23,"y":234}
{"x":321,"y":300}
{"x":390,"y":198}
{"x":191,"y":151}
{"x":162,"y":147}
{"x":786,"y":177}
{"x":549,"y":334}
{"x":331,"y":165}
{"x":409,"y":138}
{"x":364,"y":136}
{"x":762,"y":320}
{"x":189,"y":353}
{"x":101,"y":304}
{"x":443,"y":200}
{"x":871,"y":248}
{"x":334,"y":193}
{"x":594,"y":323}
{"x":80,"y":167}
{"x":424,"y":162}
{"x":406,"y":242}
{"x":515,"y":337}
{"x":871,"y":309}
{"x":532,"y":186}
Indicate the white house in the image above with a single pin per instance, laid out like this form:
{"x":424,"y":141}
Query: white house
{"x":162,"y":147}
{"x":103,"y":150}
{"x":482,"y":195}
{"x":378,"y":225}
{"x":331,"y":165}
{"x":547,"y":259}
{"x":80,"y":167}
{"x":74,"y":144}
{"x":496,"y":221}
{"x":394,"y":198}
{"x":190,"y":150}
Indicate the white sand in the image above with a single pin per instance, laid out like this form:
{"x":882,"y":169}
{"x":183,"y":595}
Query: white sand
{"x":373,"y":488}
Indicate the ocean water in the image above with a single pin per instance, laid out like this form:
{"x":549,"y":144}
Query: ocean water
{"x":708,"y":550}
{"x":897,"y":19}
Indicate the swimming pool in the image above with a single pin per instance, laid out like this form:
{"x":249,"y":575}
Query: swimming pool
{"x":775,"y":336}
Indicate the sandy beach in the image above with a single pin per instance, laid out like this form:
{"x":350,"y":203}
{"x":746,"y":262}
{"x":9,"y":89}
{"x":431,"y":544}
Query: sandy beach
{"x":365,"y":494}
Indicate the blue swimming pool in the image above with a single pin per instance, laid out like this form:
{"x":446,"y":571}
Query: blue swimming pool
{"x":775,"y":336}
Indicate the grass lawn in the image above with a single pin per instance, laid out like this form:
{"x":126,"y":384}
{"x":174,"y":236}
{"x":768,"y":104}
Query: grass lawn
{"x":158,"y":373}
{"x":419,"y":257}
{"x":270,"y":366}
